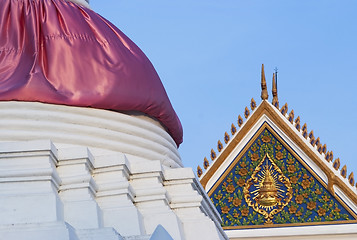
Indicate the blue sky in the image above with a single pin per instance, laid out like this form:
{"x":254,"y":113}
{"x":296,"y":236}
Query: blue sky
{"x":209,"y":54}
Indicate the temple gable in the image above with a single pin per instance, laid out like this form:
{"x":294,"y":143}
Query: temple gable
{"x":271,"y":177}
{"x":269,"y":184}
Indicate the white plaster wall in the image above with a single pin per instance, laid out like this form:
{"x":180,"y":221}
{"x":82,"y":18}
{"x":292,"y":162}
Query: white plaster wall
{"x":336,"y":232}
{"x":106,"y":175}
{"x":102,"y":131}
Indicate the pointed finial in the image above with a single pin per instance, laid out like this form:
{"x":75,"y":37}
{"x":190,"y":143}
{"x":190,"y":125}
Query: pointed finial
{"x":351,"y":179}
{"x":336,"y":163}
{"x":275,"y":92}
{"x":344,"y":171}
{"x":199,"y":171}
{"x":264,"y":94}
{"x":205,"y":163}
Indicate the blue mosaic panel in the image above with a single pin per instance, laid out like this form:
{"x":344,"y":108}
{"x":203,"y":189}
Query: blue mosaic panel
{"x":269,"y":177}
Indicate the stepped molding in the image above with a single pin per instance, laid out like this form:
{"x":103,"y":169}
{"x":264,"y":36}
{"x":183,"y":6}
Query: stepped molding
{"x":134,"y":134}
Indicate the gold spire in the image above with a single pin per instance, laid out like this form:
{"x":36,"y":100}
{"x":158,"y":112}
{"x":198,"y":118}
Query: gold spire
{"x":268,"y":191}
{"x":275,"y":92}
{"x":264,"y":94}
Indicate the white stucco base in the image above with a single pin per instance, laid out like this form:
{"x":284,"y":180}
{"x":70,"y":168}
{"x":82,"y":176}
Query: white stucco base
{"x":85,"y":174}
{"x":328,"y":232}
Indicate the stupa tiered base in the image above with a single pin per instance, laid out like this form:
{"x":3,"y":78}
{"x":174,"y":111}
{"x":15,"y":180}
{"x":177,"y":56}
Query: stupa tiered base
{"x":80,"y":173}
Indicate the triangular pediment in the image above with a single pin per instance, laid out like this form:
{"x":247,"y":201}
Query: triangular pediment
{"x":271,"y":174}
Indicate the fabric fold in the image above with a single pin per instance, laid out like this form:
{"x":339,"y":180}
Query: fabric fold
{"x":58,"y":52}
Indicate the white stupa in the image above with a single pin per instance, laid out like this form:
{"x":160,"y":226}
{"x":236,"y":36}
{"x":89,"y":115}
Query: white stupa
{"x":72,"y":169}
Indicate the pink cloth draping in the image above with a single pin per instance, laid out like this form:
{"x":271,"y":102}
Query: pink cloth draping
{"x":54,"y":51}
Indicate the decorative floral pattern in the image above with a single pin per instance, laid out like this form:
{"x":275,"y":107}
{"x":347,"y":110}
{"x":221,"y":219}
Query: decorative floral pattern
{"x":268,"y":190}
{"x":311,"y":201}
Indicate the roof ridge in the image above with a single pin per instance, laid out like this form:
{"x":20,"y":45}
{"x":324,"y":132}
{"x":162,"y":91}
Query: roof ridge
{"x":227,"y":138}
{"x":309,"y":139}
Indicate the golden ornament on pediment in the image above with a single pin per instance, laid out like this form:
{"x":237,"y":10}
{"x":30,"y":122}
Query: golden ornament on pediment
{"x":268,"y":190}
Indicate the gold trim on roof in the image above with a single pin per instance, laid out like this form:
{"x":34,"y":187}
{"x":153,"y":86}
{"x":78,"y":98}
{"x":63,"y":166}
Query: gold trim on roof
{"x":253,"y":104}
{"x":291,"y":117}
{"x":219,"y":146}
{"x":319,"y":159}
{"x":331,"y":177}
{"x":284,"y":109}
{"x":240,"y":121}
{"x":233,"y":129}
{"x":213,"y":155}
{"x":265,"y":108}
{"x":304,"y":133}
{"x":275,"y":101}
{"x":351,"y":179}
{"x":264,"y":95}
{"x":312,"y":138}
{"x":304,"y":127}
{"x":336,"y":164}
{"x":317,"y":142}
{"x":344,"y":171}
{"x":324,"y":149}
{"x":199,"y":171}
{"x":297,"y":123}
{"x":205,"y":163}
{"x":226,"y":137}
{"x":246,"y":112}
{"x":329,"y":156}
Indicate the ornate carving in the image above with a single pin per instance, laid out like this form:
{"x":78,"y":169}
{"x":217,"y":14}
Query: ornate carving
{"x":199,"y":171}
{"x":219,"y":146}
{"x":268,"y":191}
{"x":291,"y":117}
{"x":253,"y":104}
{"x":264,"y":95}
{"x":304,"y":133}
{"x":317,"y":142}
{"x":268,"y":183}
{"x":226,"y":137}
{"x":284,"y":109}
{"x":324,"y":148}
{"x":329,"y":156}
{"x":297,"y":123}
{"x":240,"y":121}
{"x":213,"y":155}
{"x":304,"y":127}
{"x":275,"y":101}
{"x":336,"y":164}
{"x":246,"y":113}
{"x":205,"y":163}
{"x":233,"y":129}
{"x":344,"y":171}
{"x":351,"y":179}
